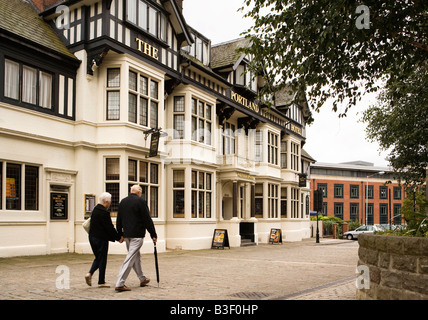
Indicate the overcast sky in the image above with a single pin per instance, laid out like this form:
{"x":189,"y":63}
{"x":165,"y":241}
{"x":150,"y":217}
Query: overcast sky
{"x":329,"y":138}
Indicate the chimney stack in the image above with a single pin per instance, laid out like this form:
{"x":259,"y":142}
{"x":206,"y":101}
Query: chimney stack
{"x":41,"y":5}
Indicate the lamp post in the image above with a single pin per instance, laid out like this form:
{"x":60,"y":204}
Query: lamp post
{"x":367,"y":192}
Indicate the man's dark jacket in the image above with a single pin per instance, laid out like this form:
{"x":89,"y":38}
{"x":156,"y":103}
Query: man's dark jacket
{"x":133,"y":218}
{"x":101,"y":225}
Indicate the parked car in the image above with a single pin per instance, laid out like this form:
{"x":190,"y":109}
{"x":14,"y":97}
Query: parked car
{"x":363,"y":229}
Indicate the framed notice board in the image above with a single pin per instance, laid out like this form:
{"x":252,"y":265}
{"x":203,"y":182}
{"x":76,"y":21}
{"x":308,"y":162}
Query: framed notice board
{"x":275,"y":236}
{"x":89,"y":204}
{"x":220,"y":239}
{"x":59,"y":206}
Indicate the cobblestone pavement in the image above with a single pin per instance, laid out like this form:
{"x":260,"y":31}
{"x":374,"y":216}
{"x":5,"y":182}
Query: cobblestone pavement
{"x":289,"y":271}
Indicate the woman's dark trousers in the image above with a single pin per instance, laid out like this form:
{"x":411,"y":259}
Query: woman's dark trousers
{"x":100,"y":249}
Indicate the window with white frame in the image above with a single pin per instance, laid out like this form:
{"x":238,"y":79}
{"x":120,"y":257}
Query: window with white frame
{"x":21,"y":183}
{"x":258,"y":146}
{"x":228,"y":138}
{"x":201,"y":194}
{"x":284,"y":202}
{"x":112,"y":182}
{"x":258,"y":195}
{"x":178,"y":186}
{"x":143,"y":100}
{"x":294,"y":202}
{"x":113,"y":94}
{"x":178,"y":117}
{"x":147,"y":18}
{"x":284,"y":154}
{"x":295,"y":113}
{"x":28,"y":84}
{"x":272,"y":148}
{"x":146,"y":175}
{"x":201,"y":121}
{"x":273,"y":200}
{"x":200,"y":49}
{"x":294,"y":153}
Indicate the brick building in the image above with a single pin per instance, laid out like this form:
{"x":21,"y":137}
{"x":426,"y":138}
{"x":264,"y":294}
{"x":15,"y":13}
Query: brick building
{"x":345,"y":193}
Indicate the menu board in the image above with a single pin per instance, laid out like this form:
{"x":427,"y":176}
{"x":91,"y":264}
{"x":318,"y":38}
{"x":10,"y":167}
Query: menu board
{"x":59,"y":206}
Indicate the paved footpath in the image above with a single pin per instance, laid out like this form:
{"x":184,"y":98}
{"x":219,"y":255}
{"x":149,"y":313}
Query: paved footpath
{"x":289,"y":271}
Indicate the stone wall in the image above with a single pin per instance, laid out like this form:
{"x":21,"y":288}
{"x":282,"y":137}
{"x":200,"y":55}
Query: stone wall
{"x":398,"y":267}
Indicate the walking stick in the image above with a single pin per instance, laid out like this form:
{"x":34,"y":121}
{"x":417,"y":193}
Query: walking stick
{"x":156,"y":263}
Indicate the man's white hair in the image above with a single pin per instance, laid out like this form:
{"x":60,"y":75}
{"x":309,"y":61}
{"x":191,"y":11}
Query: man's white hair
{"x":136,"y":188}
{"x":104,"y":198}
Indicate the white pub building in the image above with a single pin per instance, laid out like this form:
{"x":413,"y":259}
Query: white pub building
{"x":86,"y":87}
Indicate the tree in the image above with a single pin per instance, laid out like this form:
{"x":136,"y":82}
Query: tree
{"x":324,"y":47}
{"x":399,"y":123}
{"x":413,"y":210}
{"x":342,"y":49}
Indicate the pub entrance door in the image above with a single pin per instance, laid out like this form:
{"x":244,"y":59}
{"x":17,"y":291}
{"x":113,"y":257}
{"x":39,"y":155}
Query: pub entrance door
{"x":246,"y":231}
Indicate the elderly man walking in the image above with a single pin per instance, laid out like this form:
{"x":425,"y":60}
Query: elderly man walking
{"x":133,"y":219}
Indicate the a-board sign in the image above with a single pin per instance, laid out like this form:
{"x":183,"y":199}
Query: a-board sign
{"x":59,"y":206}
{"x":275,"y":236}
{"x":220,"y":239}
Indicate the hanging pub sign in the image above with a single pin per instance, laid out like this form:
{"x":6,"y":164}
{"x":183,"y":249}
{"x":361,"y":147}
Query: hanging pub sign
{"x":59,"y":206}
{"x":220,"y":239}
{"x":154,"y":144}
{"x":302,"y":180}
{"x":275,"y":236}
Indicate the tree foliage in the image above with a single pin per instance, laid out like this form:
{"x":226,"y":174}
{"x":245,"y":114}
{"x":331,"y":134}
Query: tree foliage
{"x":317,"y":46}
{"x":399,"y":123}
{"x":321,"y":47}
{"x":414,"y":212}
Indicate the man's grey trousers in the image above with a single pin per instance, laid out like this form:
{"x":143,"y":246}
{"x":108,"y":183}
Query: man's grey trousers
{"x":132,"y":261}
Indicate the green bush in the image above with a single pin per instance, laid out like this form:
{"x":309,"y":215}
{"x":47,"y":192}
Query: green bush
{"x":414,"y":213}
{"x":354,"y":225}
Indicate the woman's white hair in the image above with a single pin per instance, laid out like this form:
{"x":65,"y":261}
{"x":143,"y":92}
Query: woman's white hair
{"x":104,"y":198}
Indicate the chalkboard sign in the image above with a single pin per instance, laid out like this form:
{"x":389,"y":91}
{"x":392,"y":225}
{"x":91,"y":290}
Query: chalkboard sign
{"x":275,"y":236}
{"x":220,"y":239}
{"x":59,"y":206}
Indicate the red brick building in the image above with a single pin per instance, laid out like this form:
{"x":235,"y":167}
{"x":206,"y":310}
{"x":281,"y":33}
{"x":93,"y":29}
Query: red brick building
{"x":345,"y":194}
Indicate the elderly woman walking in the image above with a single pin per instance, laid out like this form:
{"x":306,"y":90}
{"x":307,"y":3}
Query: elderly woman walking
{"x":100,"y":233}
